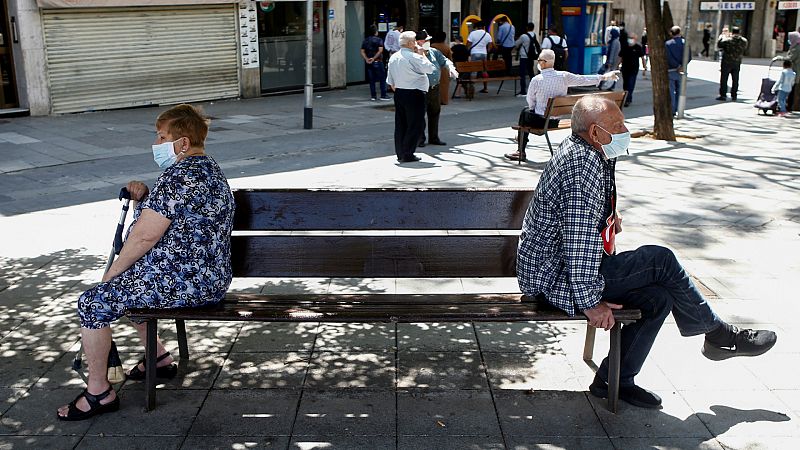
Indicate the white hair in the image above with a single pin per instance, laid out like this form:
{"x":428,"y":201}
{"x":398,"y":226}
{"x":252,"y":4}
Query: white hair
{"x":587,"y":111}
{"x":408,"y":37}
{"x":547,"y":55}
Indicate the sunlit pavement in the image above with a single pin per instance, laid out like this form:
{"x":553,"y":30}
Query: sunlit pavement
{"x":725,"y":199}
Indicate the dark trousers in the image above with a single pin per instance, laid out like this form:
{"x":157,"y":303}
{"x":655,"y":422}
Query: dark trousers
{"x":650,"y":278}
{"x":674,"y":89}
{"x":705,"y":48}
{"x":409,"y":120}
{"x":433,"y":107}
{"x":505,"y":52}
{"x":629,"y":84}
{"x":525,"y":68}
{"x":529,"y":118}
{"x":731,"y":69}
{"x":376,"y":73}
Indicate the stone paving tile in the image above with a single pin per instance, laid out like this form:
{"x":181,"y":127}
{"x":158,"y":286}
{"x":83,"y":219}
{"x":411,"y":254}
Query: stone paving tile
{"x":235,"y":442}
{"x":758,"y":443}
{"x":743,"y":413}
{"x":263,"y":371}
{"x":450,"y":370}
{"x":276,"y":337}
{"x":667,"y":443}
{"x":9,"y":396}
{"x":262,"y":412}
{"x":175,"y":411}
{"x":49,"y":333}
{"x":446,"y":337}
{"x":38,"y":442}
{"x":343,"y":442}
{"x":34,"y":414}
{"x":21,"y":368}
{"x":201,"y":336}
{"x":338,"y":369}
{"x":538,"y":371}
{"x":445,"y":413}
{"x":129,"y":442}
{"x":675,"y":419}
{"x":452,"y":443}
{"x":350,"y":412}
{"x":198,"y":372}
{"x":571,"y":443}
{"x":517,"y":337}
{"x":790,"y":398}
{"x":525,"y":413}
{"x":356,"y":337}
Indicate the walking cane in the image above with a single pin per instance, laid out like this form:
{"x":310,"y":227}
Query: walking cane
{"x":116,"y":374}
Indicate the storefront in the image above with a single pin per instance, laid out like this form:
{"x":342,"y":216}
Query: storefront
{"x":728,"y":14}
{"x":785,"y":21}
{"x":282,"y":45}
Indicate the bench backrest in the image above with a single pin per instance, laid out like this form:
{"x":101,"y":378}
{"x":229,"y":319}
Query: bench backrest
{"x":494,"y":65}
{"x":562,"y":106}
{"x":469,"y":66}
{"x":425,"y":233}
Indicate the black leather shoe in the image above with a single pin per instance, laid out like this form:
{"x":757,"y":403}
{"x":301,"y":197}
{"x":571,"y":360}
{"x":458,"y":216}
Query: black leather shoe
{"x":437,"y":142}
{"x":411,"y":158}
{"x":421,"y":144}
{"x":722,"y":98}
{"x":746,"y":343}
{"x":635,"y":395}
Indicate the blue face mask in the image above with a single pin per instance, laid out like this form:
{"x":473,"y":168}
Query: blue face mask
{"x":618,"y":145}
{"x":164,"y":154}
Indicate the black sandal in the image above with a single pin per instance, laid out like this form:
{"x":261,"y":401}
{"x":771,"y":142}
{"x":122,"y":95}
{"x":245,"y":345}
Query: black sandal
{"x":95,"y":407}
{"x":167,"y":372}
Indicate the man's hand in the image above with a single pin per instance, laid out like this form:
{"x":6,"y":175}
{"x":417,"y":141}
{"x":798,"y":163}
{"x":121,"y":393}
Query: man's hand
{"x":602,"y":315}
{"x":610,"y":76}
{"x":138,"y":190}
{"x":453,"y":73}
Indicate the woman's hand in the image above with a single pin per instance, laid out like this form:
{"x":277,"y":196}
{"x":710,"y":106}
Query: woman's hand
{"x":147,"y":231}
{"x":138,"y":190}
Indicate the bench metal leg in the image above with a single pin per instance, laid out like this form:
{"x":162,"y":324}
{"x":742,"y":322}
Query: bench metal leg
{"x":150,"y":365}
{"x":501,"y":86}
{"x":183,"y":346}
{"x":455,"y":89}
{"x":588,"y":345}
{"x":546,"y":136}
{"x":614,"y":361}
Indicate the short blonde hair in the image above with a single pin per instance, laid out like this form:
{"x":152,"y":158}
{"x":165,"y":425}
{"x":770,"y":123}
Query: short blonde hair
{"x":185,"y":121}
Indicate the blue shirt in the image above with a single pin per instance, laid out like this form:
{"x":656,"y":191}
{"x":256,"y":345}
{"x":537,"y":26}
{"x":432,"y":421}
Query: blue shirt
{"x":438,"y":60}
{"x":560,"y":248}
{"x":675,"y":53}
{"x":505,"y":35}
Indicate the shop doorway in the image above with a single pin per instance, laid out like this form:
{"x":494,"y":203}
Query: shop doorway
{"x":785,"y":21}
{"x":8,"y":36}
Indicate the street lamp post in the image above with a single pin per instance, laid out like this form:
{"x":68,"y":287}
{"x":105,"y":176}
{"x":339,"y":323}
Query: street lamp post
{"x":308,"y":111}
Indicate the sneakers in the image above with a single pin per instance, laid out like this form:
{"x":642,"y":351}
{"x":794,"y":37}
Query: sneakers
{"x":746,"y":343}
{"x":722,"y":98}
{"x":373,"y":99}
{"x":635,"y":395}
{"x":386,"y":99}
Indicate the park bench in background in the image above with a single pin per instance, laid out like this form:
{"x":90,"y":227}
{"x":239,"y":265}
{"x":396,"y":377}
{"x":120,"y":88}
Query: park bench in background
{"x":496,"y":70}
{"x":446,"y":233}
{"x":561,"y":107}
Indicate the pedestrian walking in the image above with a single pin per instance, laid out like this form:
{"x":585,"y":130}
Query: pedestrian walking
{"x":612,"y":55}
{"x":675,"y":65}
{"x":558,"y":44}
{"x":372,"y":53}
{"x":784,"y":86}
{"x":646,"y":56}
{"x":408,"y":77}
{"x":392,"y":43}
{"x":505,"y":41}
{"x":706,"y":39}
{"x":631,"y":55}
{"x":442,"y":68}
{"x":528,"y":51}
{"x":793,"y":104}
{"x":733,"y":47}
{"x":478,"y":42}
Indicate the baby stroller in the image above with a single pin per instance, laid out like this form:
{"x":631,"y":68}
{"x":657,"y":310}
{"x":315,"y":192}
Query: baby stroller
{"x":767,"y":101}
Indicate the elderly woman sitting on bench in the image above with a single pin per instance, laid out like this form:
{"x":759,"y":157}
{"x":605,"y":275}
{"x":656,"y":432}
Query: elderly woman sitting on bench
{"x":177,"y":253}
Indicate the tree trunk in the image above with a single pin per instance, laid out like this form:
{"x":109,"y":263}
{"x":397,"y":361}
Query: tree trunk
{"x":662,"y":104}
{"x":667,"y":19}
{"x":412,"y":15}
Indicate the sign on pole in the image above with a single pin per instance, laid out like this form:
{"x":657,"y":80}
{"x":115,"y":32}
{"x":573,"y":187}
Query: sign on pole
{"x":788,"y":5}
{"x":727,"y":6}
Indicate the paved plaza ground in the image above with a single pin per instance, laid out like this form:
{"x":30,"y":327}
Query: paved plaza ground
{"x":726,"y":199}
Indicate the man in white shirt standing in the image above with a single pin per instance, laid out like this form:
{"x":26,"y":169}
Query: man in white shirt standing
{"x":392,"y":41}
{"x":408,"y":77}
{"x":548,"y":84}
{"x":477,"y":43}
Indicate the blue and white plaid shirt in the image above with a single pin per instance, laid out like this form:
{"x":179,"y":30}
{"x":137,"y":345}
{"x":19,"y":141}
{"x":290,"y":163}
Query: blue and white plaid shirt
{"x":560,"y":248}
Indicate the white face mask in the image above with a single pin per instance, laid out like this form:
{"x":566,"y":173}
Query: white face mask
{"x":631,"y":42}
{"x":426,"y":45}
{"x":164,"y":154}
{"x":618,"y":145}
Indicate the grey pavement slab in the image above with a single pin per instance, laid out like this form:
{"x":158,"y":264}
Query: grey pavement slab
{"x":356,"y":337}
{"x":446,"y":413}
{"x":34,"y":414}
{"x":343,"y":442}
{"x":9,"y":396}
{"x":451,"y":442}
{"x":198,"y":372}
{"x":263,"y":371}
{"x":668,"y":442}
{"x":525,"y":413}
{"x":441,"y":370}
{"x":338,"y":369}
{"x":174,"y":415}
{"x":444,"y":337}
{"x":267,"y":412}
{"x":276,"y":337}
{"x":346,"y":412}
{"x":577,"y":443}
{"x":517,"y":337}
{"x":38,"y":442}
{"x":524,"y":371}
{"x":22,"y":368}
{"x":235,"y":442}
{"x":743,"y":413}
{"x":128,"y":442}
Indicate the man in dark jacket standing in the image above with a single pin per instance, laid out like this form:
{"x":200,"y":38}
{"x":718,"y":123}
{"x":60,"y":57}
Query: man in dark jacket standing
{"x":733,"y":48}
{"x":631,"y":54}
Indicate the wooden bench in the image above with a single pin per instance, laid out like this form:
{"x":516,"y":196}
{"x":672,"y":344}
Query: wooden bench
{"x":446,"y":233}
{"x":559,"y":107}
{"x":496,"y":69}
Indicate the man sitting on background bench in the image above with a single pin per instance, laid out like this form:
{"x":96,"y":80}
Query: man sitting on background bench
{"x":549,"y":83}
{"x":567,"y":257}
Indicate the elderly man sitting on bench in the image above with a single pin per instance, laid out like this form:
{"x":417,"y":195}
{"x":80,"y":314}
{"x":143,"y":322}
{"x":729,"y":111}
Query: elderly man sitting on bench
{"x":567,"y":257}
{"x":549,"y":83}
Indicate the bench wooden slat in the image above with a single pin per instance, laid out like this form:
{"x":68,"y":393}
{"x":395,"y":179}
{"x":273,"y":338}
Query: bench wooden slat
{"x":380,"y":209}
{"x":371,"y":299}
{"x":473,"y":312}
{"x":374,"y":256}
{"x":469,"y":66}
{"x":562,"y":124}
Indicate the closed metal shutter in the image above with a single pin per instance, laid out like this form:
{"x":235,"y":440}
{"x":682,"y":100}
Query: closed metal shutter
{"x":119,"y":57}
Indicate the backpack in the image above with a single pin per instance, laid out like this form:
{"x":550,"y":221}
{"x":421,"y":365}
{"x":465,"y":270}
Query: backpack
{"x":561,"y":55}
{"x":533,"y":49}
